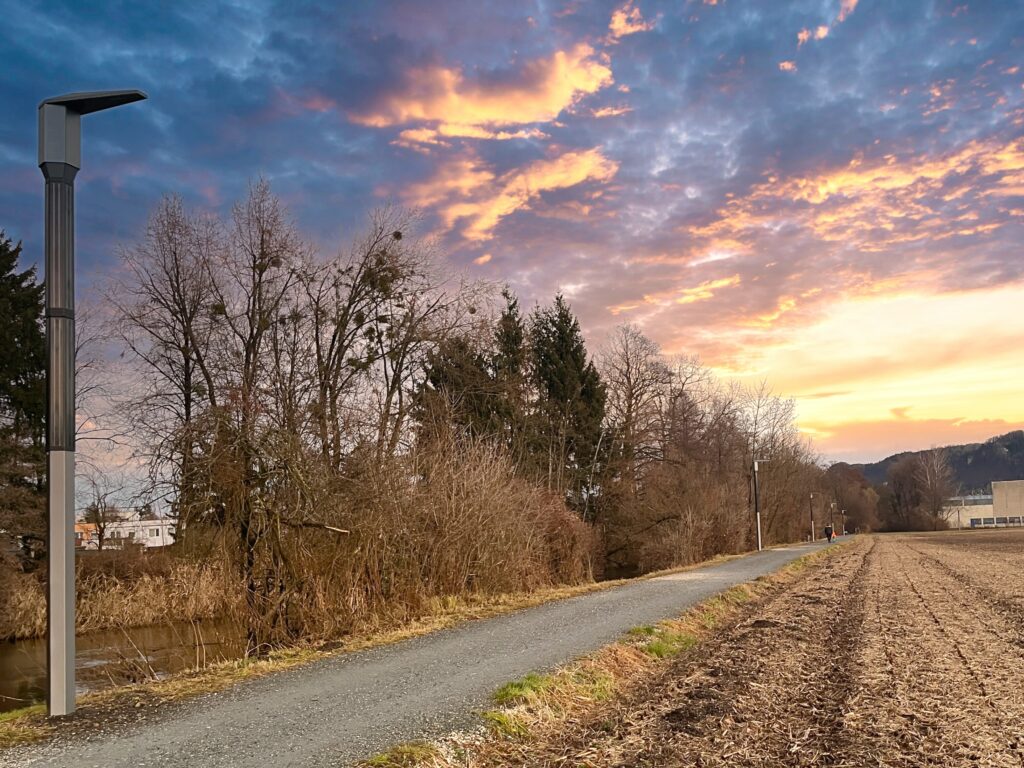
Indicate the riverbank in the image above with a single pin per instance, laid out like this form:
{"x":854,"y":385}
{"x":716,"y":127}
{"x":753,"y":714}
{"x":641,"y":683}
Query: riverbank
{"x":117,"y":591}
{"x":212,"y":672}
{"x":28,"y":723}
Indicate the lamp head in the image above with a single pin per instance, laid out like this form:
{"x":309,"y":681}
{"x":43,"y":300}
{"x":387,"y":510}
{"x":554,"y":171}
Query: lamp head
{"x":60,"y":122}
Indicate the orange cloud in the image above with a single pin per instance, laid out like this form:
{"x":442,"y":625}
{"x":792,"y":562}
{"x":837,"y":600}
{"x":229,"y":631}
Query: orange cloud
{"x":705,"y":290}
{"x":627,"y":20}
{"x":487,"y":200}
{"x":702,"y":292}
{"x":448,"y":104}
{"x":819,"y":33}
{"x":767,"y":320}
{"x":612,"y":111}
{"x":857,"y":441}
{"x":481,"y":260}
{"x":415,"y":138}
{"x":877,"y":204}
{"x":846,"y":7}
{"x":458,"y":178}
{"x":787,"y":66}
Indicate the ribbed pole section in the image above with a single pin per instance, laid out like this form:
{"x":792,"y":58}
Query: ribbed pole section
{"x":60,"y":432}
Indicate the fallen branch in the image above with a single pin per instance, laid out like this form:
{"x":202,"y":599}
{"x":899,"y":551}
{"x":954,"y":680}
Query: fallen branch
{"x":314,"y":524}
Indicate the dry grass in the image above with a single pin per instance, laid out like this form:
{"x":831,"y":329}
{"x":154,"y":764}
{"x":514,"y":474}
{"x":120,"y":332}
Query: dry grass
{"x":177,"y":591}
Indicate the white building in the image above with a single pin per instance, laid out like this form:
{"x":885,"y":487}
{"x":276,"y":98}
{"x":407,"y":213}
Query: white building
{"x":118,"y":533}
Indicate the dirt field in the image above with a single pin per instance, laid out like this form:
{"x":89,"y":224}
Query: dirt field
{"x":898,"y":651}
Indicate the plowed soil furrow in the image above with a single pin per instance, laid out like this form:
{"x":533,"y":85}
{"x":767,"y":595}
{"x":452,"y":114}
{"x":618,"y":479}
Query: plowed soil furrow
{"x":889,"y":654}
{"x":976,"y":590}
{"x":941,"y":712}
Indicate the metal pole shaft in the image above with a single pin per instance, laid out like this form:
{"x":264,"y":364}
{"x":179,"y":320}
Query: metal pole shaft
{"x":60,"y":437}
{"x":757,"y":509}
{"x":810,"y":506}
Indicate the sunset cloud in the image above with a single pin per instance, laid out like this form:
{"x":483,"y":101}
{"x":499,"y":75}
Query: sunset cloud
{"x":612,"y":111}
{"x":687,"y":295}
{"x":486,"y":200}
{"x":887,"y":201}
{"x":448,"y":104}
{"x":841,"y":213}
{"x":818,"y":33}
{"x":846,"y":7}
{"x":627,"y":20}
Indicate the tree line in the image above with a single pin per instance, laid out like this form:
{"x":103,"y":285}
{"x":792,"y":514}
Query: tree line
{"x":354,"y":436}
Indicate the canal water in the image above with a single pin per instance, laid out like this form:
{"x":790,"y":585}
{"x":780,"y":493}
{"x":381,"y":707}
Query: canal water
{"x":104,"y":659}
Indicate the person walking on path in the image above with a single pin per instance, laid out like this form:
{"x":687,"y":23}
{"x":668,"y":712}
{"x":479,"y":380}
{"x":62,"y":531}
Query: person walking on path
{"x":828,"y":533}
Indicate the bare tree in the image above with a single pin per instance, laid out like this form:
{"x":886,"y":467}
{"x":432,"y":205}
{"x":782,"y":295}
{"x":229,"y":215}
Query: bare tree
{"x":637,"y":380}
{"x":934,"y":478}
{"x":102,"y":510}
{"x":166,"y":313}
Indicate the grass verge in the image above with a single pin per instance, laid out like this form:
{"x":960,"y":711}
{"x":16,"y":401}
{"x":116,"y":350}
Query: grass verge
{"x":411,"y":754}
{"x":23,"y":726}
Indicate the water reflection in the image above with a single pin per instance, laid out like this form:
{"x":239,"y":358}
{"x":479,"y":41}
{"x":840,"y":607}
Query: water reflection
{"x":104,"y":659}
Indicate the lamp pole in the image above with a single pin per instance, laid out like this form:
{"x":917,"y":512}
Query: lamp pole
{"x":844,"y":522}
{"x":59,"y":160}
{"x":757,"y":504}
{"x":810,"y":505}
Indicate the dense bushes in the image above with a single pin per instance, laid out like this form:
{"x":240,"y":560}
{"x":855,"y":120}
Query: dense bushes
{"x":452,"y":519}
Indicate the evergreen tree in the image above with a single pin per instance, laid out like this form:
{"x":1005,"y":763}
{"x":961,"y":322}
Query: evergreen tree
{"x":458,"y":385}
{"x":510,"y":342}
{"x":509,"y":367}
{"x":22,"y":403}
{"x":571,"y":399}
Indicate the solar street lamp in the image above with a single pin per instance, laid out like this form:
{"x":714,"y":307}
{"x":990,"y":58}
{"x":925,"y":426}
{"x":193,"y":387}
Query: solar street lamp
{"x":59,"y":160}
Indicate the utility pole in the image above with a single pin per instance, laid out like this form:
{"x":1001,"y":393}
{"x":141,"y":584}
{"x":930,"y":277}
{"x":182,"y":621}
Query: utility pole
{"x":832,"y":516}
{"x":60,"y":158}
{"x":810,"y":505}
{"x":844,"y":522}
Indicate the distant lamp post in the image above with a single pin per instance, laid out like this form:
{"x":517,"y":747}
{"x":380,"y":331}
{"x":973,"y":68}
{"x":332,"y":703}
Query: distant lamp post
{"x":60,"y":159}
{"x":844,"y":522}
{"x":810,"y":506}
{"x":757,"y":502}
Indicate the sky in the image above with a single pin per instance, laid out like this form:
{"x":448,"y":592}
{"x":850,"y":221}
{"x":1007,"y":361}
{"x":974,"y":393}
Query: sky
{"x":827,"y":195}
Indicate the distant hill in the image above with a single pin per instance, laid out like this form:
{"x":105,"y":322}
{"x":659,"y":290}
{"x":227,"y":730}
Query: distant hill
{"x":975,"y":465}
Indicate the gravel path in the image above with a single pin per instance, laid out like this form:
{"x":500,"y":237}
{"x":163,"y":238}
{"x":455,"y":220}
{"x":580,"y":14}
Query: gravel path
{"x":337,"y":711}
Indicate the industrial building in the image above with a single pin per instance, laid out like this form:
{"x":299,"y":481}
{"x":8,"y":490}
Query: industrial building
{"x":1004,"y":507}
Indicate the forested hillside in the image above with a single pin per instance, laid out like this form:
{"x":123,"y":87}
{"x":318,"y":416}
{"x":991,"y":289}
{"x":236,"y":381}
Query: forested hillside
{"x":974,"y":465}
